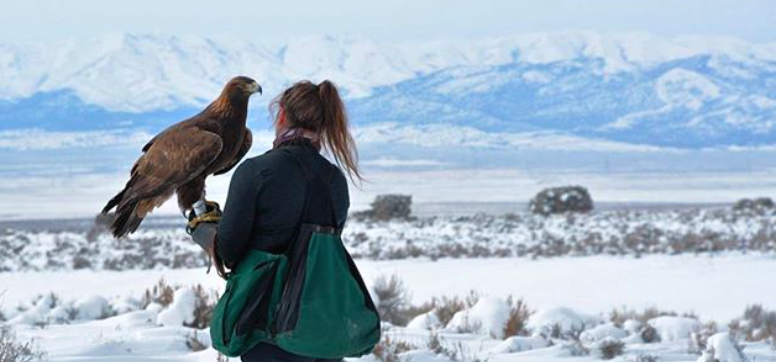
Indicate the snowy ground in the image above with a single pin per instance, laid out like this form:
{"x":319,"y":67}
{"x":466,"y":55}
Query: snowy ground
{"x":592,"y":284}
{"x":162,"y":243}
{"x":714,"y":288}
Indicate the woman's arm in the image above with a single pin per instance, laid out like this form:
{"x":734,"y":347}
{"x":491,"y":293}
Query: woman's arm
{"x":234,"y":229}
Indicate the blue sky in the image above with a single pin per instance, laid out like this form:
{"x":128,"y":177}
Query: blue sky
{"x":392,"y":20}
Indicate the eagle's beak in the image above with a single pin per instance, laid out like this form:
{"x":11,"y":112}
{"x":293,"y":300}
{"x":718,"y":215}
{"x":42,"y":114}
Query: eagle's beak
{"x":256,"y":88}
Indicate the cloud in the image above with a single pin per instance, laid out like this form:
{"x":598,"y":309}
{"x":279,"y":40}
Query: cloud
{"x":38,"y":139}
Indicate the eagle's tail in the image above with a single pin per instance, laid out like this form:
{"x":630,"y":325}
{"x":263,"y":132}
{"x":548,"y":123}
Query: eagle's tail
{"x":114,"y":201}
{"x":126,"y":220}
{"x":133,"y":203}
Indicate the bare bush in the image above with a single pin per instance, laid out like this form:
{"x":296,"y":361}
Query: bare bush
{"x":455,"y":352}
{"x":558,"y":200}
{"x":161,"y":293}
{"x":610,"y":348}
{"x":759,"y":205}
{"x":434,"y":343}
{"x":619,"y":316}
{"x":11,"y":350}
{"x":757,"y":324}
{"x":518,"y":318}
{"x":446,"y":307}
{"x":388,"y":207}
{"x":576,"y":349}
{"x":388,"y":350}
{"x":194,"y":343}
{"x":649,"y":334}
{"x":203,"y":307}
{"x":700,"y":337}
{"x":393,"y":299}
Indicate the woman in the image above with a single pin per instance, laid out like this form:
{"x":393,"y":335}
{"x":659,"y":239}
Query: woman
{"x":267,"y":195}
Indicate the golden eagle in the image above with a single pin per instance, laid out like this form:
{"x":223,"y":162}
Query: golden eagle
{"x":178,"y":159}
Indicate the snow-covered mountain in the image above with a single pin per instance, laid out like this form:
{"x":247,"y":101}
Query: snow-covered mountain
{"x":635,"y":88}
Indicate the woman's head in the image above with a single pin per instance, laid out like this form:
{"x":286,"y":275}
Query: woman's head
{"x":319,"y":109}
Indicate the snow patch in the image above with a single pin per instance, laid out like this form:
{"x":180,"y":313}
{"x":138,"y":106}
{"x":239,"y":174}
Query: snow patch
{"x":93,"y":307}
{"x":721,"y":348}
{"x":682,"y":87}
{"x":180,"y":311}
{"x":671,"y":328}
{"x":601,"y":332}
{"x":565,"y":320}
{"x":520,"y":344}
{"x":428,"y":320}
{"x":488,"y":316}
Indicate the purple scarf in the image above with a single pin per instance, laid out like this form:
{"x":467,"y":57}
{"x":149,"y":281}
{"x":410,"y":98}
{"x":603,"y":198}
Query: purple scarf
{"x":296,"y":134}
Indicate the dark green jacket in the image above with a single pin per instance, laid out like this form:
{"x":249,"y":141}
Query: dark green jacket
{"x":265,"y":202}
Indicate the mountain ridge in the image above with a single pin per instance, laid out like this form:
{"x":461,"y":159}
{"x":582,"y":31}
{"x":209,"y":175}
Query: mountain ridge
{"x":689,"y":92}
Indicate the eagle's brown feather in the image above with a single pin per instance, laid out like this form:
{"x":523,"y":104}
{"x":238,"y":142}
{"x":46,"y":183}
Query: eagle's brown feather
{"x":180,"y":158}
{"x":246,"y":145}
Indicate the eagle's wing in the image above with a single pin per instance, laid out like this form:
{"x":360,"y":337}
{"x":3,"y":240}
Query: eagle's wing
{"x":246,"y":145}
{"x":173,"y":158}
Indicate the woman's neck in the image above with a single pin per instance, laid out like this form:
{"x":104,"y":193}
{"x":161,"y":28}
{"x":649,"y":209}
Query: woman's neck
{"x":287,"y":135}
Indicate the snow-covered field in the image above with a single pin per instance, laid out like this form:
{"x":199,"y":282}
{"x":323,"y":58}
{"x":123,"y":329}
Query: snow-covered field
{"x":713,"y":288}
{"x":716,"y":287}
{"x":682,"y":274}
{"x":162,"y":242}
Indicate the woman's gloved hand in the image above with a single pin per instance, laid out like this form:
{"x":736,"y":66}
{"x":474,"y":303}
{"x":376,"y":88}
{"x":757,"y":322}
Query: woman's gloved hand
{"x":202,"y":228}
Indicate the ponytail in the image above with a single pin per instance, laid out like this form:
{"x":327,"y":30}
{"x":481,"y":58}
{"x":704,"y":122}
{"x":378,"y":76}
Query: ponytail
{"x":319,"y":108}
{"x":335,"y":130}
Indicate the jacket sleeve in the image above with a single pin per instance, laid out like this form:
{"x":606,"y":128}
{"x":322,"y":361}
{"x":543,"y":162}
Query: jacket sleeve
{"x":236,"y":225}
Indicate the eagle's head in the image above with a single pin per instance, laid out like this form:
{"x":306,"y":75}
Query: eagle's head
{"x":241,"y":88}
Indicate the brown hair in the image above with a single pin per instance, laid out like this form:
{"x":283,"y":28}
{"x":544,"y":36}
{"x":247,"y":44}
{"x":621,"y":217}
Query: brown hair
{"x":319,"y":109}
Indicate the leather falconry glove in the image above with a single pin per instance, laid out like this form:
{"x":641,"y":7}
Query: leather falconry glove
{"x":203,"y":228}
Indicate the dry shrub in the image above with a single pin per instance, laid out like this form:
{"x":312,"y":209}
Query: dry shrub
{"x":456,"y":352}
{"x":393,"y":299}
{"x":757,"y":324}
{"x":203,"y":307}
{"x":11,"y":350}
{"x":619,"y":316}
{"x":415,"y":310}
{"x":700,"y":337}
{"x":576,"y":348}
{"x":445,"y":308}
{"x":194,"y":343}
{"x":649,"y":334}
{"x":161,"y":293}
{"x":518,"y":318}
{"x":388,"y":207}
{"x":610,"y":348}
{"x":434,"y":343}
{"x":389,"y":350}
{"x":558,"y":200}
